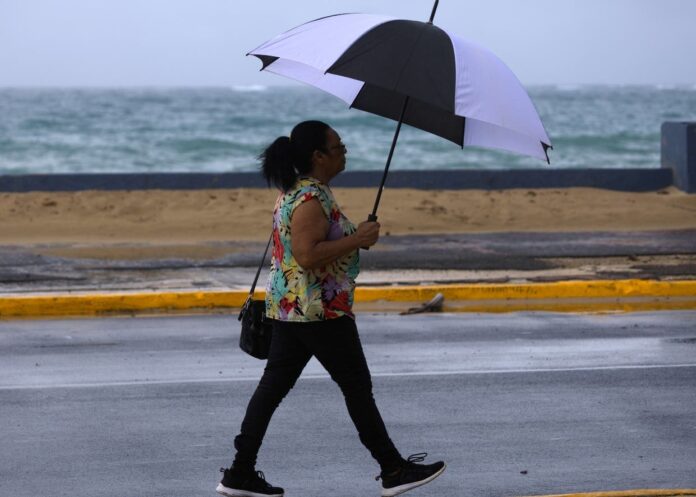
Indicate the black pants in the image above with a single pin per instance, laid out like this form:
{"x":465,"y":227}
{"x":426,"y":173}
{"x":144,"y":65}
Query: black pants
{"x":336,"y":345}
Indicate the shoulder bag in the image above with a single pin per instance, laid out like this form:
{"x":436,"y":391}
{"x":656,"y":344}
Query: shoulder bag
{"x":255,"y":337}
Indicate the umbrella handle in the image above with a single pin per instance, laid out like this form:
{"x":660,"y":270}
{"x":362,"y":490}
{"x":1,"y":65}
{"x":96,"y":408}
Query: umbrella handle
{"x":371,"y":218}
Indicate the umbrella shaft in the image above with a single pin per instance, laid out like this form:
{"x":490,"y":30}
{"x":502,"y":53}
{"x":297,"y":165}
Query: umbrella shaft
{"x":373,"y":216}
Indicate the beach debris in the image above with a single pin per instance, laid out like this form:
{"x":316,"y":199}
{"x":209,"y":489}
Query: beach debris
{"x":433,"y":305}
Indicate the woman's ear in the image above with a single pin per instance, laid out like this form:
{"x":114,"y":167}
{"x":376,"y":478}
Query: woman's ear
{"x":317,"y":155}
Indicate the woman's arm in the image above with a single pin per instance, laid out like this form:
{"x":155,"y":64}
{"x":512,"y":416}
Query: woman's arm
{"x":309,"y":228}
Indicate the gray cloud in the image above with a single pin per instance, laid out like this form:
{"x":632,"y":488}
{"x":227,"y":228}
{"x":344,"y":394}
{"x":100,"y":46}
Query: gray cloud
{"x":203,"y":42}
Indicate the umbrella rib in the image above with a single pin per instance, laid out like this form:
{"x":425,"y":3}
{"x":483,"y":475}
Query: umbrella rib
{"x":410,"y":55}
{"x":423,"y":27}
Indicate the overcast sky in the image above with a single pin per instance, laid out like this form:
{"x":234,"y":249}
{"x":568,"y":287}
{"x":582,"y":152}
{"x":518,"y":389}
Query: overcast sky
{"x":203,"y":42}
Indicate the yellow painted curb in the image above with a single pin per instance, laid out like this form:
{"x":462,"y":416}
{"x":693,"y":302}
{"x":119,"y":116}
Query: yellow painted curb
{"x":514,"y":291}
{"x":641,"y":492}
{"x":564,"y":296}
{"x":82,"y":304}
{"x":576,"y":305}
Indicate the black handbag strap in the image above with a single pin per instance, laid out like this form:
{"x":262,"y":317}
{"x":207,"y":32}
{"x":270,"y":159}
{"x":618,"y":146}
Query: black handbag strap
{"x":247,"y":303}
{"x":258,"y":271}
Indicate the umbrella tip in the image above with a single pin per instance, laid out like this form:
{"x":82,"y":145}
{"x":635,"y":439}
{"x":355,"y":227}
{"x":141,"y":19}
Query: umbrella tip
{"x":546,"y":152}
{"x":432,"y":14}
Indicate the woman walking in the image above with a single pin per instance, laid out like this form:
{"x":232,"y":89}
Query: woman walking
{"x":309,"y":297}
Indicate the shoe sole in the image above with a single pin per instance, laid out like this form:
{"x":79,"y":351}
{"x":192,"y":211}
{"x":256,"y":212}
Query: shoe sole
{"x":231,"y":492}
{"x":391,"y":492}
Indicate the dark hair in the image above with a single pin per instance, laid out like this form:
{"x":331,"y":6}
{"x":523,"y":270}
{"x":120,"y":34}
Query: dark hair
{"x":288,"y":157}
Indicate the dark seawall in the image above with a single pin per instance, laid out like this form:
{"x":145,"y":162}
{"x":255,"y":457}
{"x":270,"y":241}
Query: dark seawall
{"x":633,"y":180}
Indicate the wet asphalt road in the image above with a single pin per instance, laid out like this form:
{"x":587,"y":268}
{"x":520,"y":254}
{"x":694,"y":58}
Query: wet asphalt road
{"x":517,"y":404}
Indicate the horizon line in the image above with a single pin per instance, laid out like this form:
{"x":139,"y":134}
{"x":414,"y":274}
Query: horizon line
{"x":261,"y":87}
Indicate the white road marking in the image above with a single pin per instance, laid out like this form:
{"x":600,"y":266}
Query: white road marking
{"x":326,"y":376}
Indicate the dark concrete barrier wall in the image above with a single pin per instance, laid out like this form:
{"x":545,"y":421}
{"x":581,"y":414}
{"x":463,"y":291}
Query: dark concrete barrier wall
{"x":679,"y":153}
{"x":636,"y":180}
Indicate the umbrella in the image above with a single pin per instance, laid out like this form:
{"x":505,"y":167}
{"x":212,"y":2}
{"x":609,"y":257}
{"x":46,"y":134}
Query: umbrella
{"x":415,"y":73}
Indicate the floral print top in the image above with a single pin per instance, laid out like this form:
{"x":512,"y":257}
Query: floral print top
{"x":297,"y":294}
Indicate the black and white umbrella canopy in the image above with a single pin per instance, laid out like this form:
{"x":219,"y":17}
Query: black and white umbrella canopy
{"x":453,"y":88}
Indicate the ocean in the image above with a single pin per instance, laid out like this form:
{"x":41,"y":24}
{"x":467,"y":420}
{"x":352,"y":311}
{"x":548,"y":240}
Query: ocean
{"x":224,"y":129}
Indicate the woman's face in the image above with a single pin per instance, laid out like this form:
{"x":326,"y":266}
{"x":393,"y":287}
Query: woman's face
{"x":335,"y":156}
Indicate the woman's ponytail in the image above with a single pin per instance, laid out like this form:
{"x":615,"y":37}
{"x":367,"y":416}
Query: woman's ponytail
{"x":287,"y":158}
{"x":277,"y":164}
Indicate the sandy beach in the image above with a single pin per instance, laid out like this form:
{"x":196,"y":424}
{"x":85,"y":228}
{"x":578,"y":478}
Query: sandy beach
{"x":179,"y":222}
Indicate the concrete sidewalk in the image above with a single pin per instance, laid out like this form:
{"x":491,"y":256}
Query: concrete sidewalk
{"x":476,"y":272}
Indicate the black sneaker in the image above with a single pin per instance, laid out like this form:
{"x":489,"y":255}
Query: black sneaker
{"x":410,"y":475}
{"x":234,"y":484}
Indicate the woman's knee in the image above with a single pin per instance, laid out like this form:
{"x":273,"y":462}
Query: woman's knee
{"x":354,"y":383}
{"x":277,"y":385}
